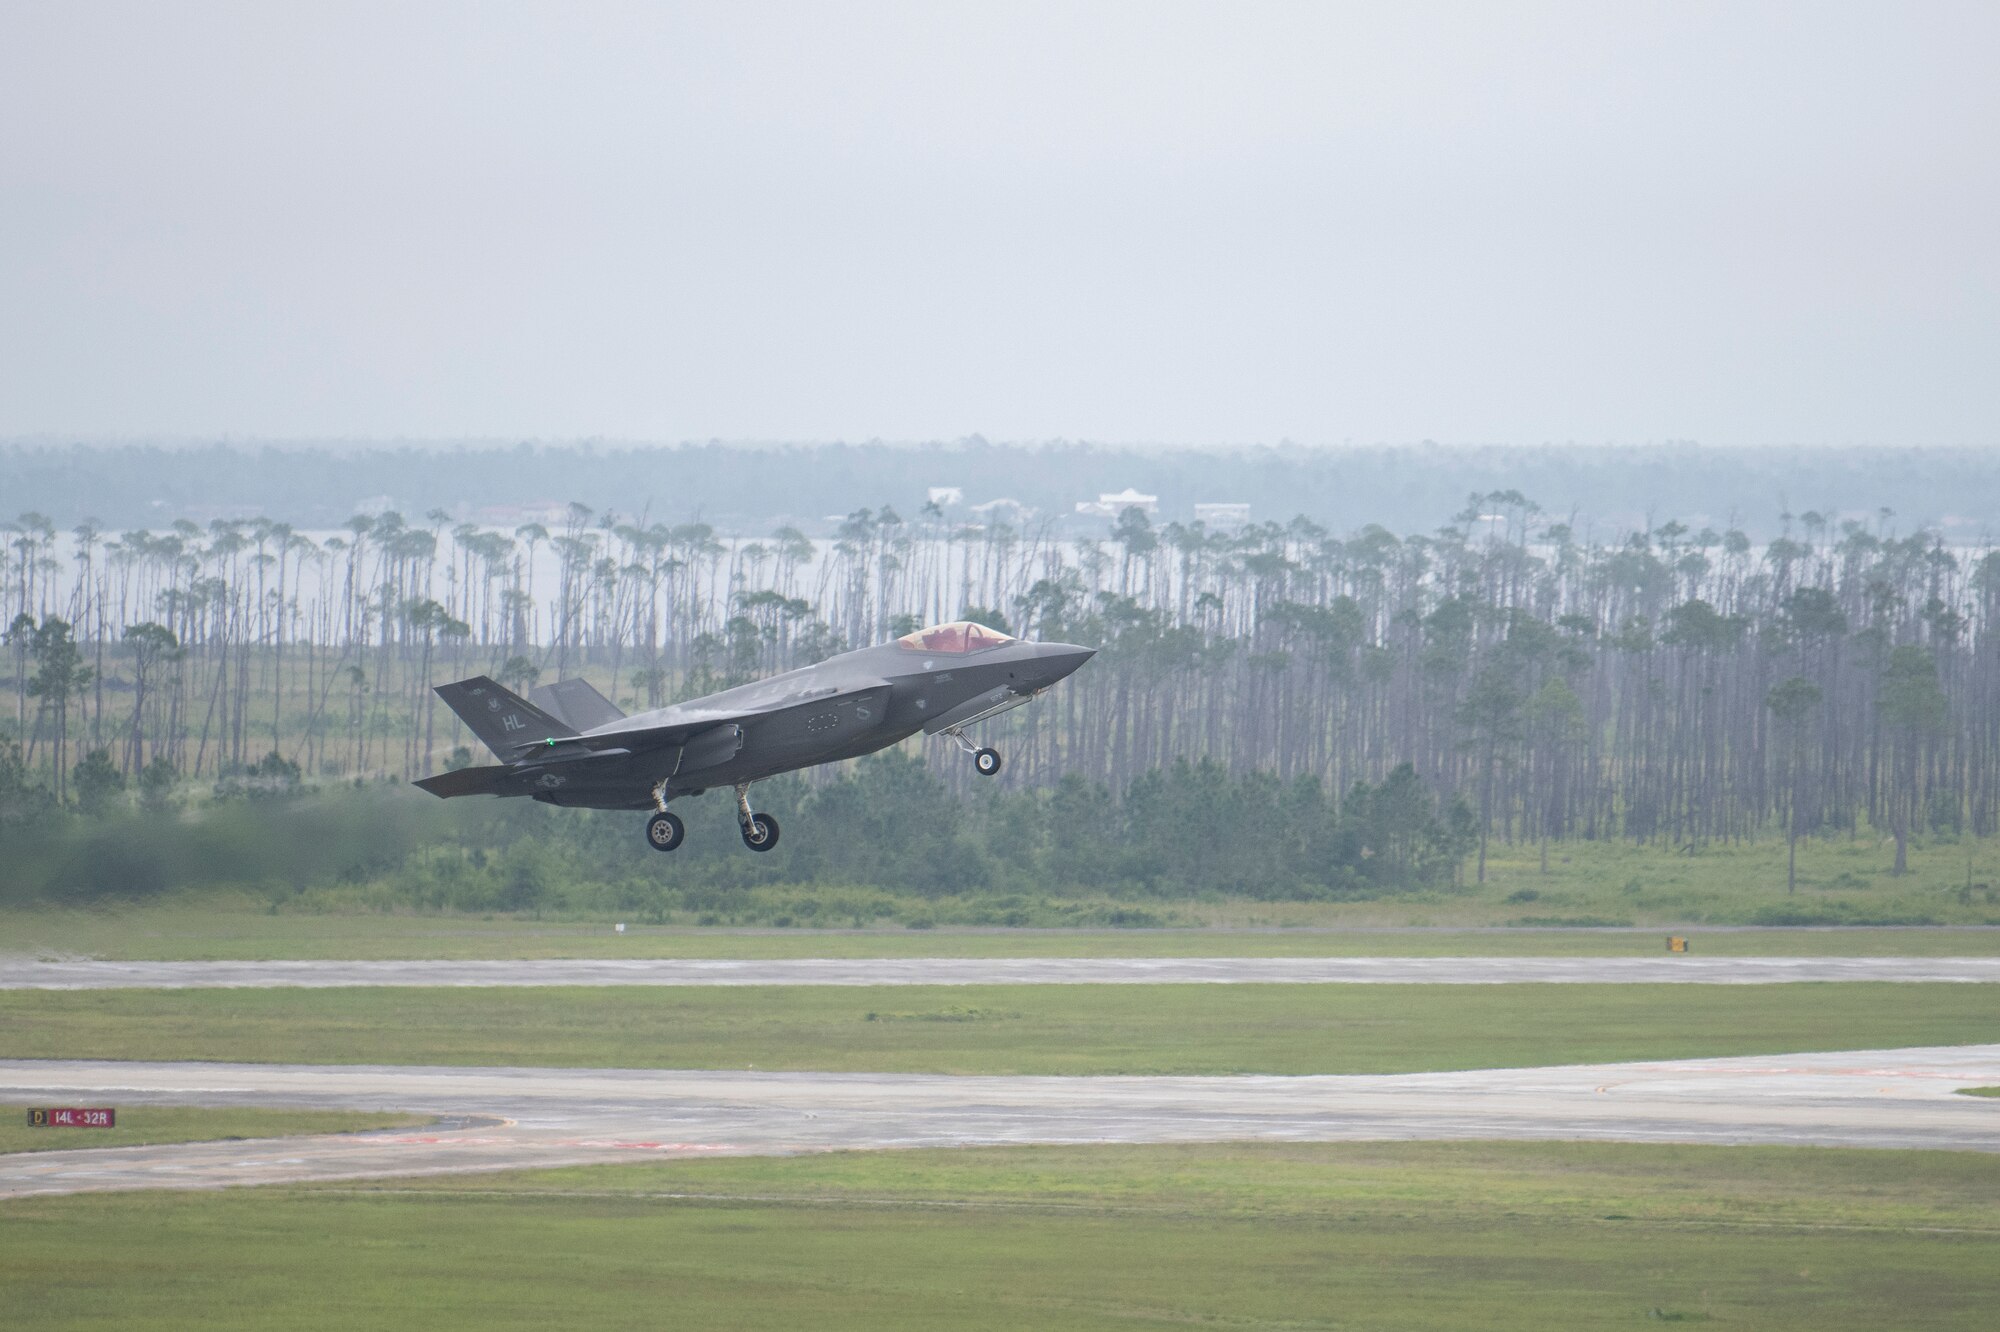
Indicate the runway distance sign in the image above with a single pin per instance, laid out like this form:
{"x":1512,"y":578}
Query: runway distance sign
{"x":73,"y":1116}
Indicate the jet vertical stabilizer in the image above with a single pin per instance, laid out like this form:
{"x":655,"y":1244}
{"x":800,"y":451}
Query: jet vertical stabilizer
{"x":503,"y":720}
{"x":575,"y":702}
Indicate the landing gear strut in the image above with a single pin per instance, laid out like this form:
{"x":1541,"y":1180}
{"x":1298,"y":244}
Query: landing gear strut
{"x":664,"y":831}
{"x":760,"y":831}
{"x":985,"y":762}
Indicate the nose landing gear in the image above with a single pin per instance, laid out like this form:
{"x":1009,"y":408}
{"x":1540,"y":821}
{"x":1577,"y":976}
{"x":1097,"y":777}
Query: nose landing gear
{"x":985,"y":762}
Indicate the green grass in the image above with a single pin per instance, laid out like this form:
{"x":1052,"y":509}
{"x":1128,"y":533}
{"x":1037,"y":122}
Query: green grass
{"x":1842,"y":881}
{"x":1979,"y":1091}
{"x":141,"y":1124}
{"x":1386,"y":1236}
{"x":230,"y":928}
{"x":997,"y":1029}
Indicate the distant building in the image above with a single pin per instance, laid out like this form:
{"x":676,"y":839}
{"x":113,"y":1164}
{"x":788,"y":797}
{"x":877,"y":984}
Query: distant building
{"x":1003,"y":510}
{"x":1110,"y":506}
{"x":546,"y":513}
{"x":1222,"y":515}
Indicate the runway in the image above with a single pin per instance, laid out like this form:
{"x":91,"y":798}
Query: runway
{"x":18,"y":973}
{"x":548,"y":1117}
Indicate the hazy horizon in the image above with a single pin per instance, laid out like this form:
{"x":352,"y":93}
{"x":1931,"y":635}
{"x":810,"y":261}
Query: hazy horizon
{"x":753,"y":488}
{"x":1159,"y":226}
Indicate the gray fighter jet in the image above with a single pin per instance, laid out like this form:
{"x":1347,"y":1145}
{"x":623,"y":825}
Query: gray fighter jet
{"x":571,"y":746}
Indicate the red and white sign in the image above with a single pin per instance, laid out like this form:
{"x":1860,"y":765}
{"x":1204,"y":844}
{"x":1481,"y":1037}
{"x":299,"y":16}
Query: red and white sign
{"x":74,"y":1117}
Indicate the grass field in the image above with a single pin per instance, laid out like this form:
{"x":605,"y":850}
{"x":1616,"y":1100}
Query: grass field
{"x":1266,"y":1236}
{"x":1390,"y":1236}
{"x":1072,"y":1029}
{"x":232,"y":928}
{"x":1841,"y":881}
{"x":141,"y":1124}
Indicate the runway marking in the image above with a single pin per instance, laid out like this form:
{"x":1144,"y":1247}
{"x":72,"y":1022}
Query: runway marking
{"x":650,"y":1146}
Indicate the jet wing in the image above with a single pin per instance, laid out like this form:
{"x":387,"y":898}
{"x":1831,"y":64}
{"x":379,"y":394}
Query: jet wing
{"x":690,"y":738}
{"x":679,"y":723}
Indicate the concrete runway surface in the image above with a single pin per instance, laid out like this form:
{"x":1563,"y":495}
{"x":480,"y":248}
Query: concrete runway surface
{"x":548,"y":1117}
{"x":18,"y":973}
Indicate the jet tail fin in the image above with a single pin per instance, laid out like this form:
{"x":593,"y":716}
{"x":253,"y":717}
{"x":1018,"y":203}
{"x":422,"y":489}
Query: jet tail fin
{"x":504,"y":721}
{"x":576,"y":703}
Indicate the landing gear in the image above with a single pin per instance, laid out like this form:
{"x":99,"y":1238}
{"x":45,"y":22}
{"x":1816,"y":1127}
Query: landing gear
{"x":985,"y":762}
{"x":760,"y":831}
{"x":665,"y":831}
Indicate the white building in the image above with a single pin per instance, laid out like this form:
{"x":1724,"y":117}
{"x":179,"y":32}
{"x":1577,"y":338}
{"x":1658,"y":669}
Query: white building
{"x":1003,"y":510}
{"x":1222,"y":515}
{"x":552,"y":514}
{"x":1110,"y":506}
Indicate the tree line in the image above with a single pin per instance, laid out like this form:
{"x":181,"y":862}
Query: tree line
{"x":1676,"y":684}
{"x":881,"y":839}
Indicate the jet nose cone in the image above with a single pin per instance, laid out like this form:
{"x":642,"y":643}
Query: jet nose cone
{"x":1060,"y":659}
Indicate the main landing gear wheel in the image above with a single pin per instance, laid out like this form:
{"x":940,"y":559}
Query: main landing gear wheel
{"x":761,"y":832}
{"x":986,"y":762}
{"x":665,"y":831}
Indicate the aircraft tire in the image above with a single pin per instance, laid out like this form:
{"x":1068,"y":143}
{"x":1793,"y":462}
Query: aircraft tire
{"x":665,"y":831}
{"x":766,"y":832}
{"x":986,"y":762}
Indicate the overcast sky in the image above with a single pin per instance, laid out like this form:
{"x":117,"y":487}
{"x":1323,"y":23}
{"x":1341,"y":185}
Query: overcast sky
{"x":1732,"y":222}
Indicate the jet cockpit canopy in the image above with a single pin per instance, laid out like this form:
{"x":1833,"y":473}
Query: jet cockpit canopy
{"x":954,"y":639}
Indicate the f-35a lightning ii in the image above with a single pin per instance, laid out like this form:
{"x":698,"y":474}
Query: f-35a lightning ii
{"x":571,"y":746}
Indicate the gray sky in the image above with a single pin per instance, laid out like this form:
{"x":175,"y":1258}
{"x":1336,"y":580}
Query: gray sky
{"x":1520,"y":222}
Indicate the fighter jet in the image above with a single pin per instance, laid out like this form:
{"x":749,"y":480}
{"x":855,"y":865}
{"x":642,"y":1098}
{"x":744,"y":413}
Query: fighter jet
{"x":569,"y":745}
